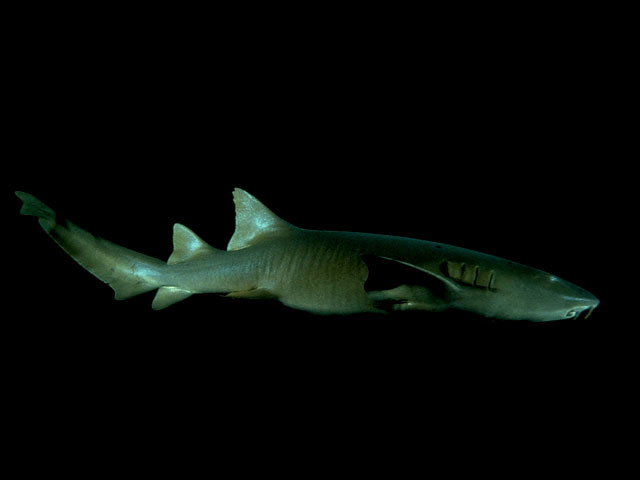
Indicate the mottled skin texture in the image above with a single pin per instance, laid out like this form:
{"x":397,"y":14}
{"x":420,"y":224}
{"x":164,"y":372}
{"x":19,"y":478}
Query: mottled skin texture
{"x":320,"y":271}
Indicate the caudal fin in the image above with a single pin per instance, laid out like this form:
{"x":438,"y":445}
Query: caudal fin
{"x":129,"y":273}
{"x":34,"y":207}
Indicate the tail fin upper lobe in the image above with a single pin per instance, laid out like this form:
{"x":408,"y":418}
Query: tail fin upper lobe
{"x":129,"y":273}
{"x":32,"y":206}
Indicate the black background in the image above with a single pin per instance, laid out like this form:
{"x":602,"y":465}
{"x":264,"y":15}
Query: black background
{"x":469,"y":139}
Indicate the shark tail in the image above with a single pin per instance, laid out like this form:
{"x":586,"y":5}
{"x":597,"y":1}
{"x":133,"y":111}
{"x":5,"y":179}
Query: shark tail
{"x":127,"y":272}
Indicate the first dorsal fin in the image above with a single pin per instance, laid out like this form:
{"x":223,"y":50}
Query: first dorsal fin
{"x":187,"y":245}
{"x":254,"y":221}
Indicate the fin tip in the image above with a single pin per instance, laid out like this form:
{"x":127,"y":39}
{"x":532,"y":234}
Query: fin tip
{"x":254,"y":221}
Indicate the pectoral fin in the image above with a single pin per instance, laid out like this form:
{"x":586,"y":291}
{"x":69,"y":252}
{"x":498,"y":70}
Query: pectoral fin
{"x":398,"y":285}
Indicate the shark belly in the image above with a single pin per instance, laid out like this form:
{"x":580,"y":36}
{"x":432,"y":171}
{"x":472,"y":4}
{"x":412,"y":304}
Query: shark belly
{"x":308,"y":273}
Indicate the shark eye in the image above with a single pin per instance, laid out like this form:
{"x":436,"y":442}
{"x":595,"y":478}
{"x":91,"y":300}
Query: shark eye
{"x":572,"y":313}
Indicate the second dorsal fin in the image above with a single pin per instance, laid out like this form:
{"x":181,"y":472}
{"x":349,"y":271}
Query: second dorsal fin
{"x":254,"y":221}
{"x":187,"y":245}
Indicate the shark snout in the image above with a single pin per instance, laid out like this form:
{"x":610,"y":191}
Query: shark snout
{"x":587,"y":304}
{"x":576,"y":300}
{"x":579,"y":310}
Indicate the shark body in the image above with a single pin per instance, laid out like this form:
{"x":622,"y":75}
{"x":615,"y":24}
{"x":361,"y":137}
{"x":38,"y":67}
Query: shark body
{"x":321,"y":271}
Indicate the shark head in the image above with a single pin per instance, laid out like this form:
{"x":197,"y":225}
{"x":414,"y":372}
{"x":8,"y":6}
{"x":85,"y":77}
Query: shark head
{"x":539,"y":296}
{"x":498,"y":288}
{"x":559,"y":299}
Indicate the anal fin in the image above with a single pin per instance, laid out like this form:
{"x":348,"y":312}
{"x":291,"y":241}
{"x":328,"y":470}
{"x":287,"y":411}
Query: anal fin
{"x":167,"y":296}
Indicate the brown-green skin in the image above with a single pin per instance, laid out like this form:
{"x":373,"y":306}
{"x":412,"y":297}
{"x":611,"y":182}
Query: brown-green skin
{"x":321,"y":271}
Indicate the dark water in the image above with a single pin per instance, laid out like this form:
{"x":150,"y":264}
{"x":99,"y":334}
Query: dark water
{"x":503,"y":146}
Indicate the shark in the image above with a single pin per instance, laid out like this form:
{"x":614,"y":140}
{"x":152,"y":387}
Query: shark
{"x":323,"y":272}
